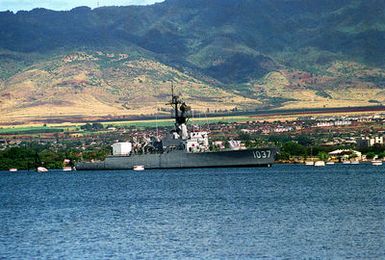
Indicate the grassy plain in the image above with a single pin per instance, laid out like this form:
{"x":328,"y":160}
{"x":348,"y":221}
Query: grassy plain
{"x":152,"y":123}
{"x":70,"y":127}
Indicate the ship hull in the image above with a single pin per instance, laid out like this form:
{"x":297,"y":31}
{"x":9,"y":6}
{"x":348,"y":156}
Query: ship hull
{"x":178,"y":159}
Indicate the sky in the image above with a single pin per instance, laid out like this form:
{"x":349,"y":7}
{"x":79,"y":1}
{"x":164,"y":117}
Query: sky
{"x":17,"y":5}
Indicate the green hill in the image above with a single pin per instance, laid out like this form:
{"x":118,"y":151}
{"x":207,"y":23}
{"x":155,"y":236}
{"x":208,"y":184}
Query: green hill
{"x":328,"y":51}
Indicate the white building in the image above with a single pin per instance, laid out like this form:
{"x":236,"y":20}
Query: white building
{"x":235,"y":145}
{"x":334,"y":123}
{"x":370,"y":141}
{"x":121,"y":149}
{"x":325,"y":124}
{"x":342,"y":123}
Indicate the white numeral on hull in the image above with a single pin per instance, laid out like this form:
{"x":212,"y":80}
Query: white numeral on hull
{"x":262,"y":154}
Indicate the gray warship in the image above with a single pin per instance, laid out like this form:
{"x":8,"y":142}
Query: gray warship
{"x":180,"y":149}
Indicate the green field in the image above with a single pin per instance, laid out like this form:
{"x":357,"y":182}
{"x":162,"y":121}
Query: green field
{"x":170,"y":122}
{"x":55,"y":128}
{"x":30,"y":130}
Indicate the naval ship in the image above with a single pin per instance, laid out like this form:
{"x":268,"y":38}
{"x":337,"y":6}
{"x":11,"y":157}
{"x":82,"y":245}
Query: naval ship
{"x":179,"y":149}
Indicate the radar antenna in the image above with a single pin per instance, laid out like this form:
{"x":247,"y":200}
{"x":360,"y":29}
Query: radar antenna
{"x":181,"y":110}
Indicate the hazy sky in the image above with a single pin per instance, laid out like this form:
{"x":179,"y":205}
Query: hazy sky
{"x":16,"y":5}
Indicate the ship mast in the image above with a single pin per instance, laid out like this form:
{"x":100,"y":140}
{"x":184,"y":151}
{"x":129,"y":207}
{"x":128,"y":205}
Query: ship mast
{"x":181,"y":113}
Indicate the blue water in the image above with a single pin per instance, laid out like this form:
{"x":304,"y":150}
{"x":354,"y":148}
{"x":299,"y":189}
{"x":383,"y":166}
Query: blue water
{"x":279,"y":212}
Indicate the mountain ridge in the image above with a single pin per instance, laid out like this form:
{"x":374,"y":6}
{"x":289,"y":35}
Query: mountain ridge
{"x":261,"y":50}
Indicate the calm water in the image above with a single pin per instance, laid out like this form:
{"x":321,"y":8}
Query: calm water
{"x":280,"y":212}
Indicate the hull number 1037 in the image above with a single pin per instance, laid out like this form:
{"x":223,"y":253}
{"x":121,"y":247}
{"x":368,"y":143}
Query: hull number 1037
{"x":262,"y":154}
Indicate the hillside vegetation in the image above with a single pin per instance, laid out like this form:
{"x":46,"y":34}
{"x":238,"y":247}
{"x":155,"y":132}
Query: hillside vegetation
{"x":221,"y":54}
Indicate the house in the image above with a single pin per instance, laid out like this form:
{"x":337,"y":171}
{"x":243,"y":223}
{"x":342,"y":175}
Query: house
{"x":365,"y":142}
